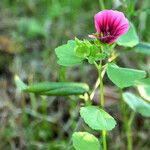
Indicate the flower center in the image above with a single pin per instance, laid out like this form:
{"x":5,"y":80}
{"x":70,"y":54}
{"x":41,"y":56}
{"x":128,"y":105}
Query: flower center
{"x":104,"y":34}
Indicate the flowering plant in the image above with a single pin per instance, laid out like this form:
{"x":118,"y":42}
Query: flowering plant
{"x":112,"y":28}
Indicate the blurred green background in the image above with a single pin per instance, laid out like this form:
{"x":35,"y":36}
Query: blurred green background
{"x":29,"y":32}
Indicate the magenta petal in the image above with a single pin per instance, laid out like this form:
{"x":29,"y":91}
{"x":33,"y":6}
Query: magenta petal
{"x":97,"y":22}
{"x":110,"y":25}
{"x":101,"y":20}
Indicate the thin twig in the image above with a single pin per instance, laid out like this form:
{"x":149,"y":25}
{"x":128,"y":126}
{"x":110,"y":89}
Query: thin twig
{"x":97,"y":84}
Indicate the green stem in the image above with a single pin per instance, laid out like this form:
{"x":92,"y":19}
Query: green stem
{"x":44,"y":105}
{"x":129,"y":138}
{"x":127,"y":122}
{"x":102,"y":6}
{"x":62,"y":74}
{"x":102,"y":100}
{"x":33,"y":101}
{"x":32,"y":96}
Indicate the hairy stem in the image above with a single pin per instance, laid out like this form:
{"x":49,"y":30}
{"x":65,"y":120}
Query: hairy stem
{"x":127,"y":122}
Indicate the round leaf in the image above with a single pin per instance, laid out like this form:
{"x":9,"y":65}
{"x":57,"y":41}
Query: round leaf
{"x":97,"y":118}
{"x":66,"y":54}
{"x":144,"y":91}
{"x":124,"y":77}
{"x":137,"y":104}
{"x":85,"y":141}
{"x":143,"y":87}
{"x":130,"y":38}
{"x":142,"y":48}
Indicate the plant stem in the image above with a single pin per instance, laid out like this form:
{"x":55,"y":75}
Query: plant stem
{"x":129,"y":137}
{"x":102,"y":6}
{"x":102,"y":100}
{"x":97,"y":84}
{"x":44,"y":105}
{"x":127,"y":122}
{"x":62,"y":74}
{"x":32,"y":96}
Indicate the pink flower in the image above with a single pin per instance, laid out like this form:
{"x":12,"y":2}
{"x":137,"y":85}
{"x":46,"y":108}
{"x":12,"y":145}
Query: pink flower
{"x":110,"y":25}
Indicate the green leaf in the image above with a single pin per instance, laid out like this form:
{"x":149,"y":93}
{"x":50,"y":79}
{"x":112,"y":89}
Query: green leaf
{"x":20,"y":85}
{"x":82,"y":48}
{"x":57,"y":88}
{"x":95,"y":54}
{"x":123,"y":77}
{"x":137,"y":104}
{"x":86,"y":50}
{"x":66,"y":54}
{"x":91,"y":59}
{"x":144,"y":92}
{"x":97,"y":118}
{"x":95,"y":50}
{"x":143,"y":48}
{"x":97,"y":57}
{"x":143,"y":87}
{"x":129,"y":39}
{"x":85,"y":141}
{"x":145,"y":82}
